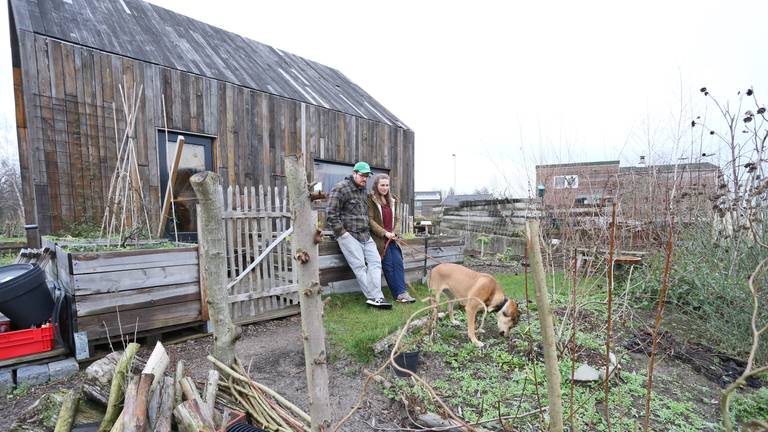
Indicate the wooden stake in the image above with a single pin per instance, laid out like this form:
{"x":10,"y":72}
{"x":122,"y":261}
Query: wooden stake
{"x":547,"y":329}
{"x":306,"y":258}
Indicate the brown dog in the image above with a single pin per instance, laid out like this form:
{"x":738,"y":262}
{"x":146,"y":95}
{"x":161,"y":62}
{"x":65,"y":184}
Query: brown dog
{"x":475,"y":290}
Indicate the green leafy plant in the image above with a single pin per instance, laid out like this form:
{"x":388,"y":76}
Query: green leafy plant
{"x":483,"y":241}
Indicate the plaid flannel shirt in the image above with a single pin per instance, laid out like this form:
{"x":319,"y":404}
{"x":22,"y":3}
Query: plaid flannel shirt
{"x":347,"y":210}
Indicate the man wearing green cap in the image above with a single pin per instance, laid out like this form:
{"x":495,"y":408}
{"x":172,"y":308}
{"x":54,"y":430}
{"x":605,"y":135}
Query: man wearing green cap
{"x":347,"y":216}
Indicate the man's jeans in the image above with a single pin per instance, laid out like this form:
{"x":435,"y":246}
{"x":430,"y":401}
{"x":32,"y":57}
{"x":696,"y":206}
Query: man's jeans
{"x":394,"y":272}
{"x":357,"y":254}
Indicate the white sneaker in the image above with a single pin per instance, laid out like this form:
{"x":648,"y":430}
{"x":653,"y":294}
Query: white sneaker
{"x":379,"y":303}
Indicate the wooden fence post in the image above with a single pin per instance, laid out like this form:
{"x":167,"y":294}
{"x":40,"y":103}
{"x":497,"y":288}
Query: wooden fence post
{"x":211,"y":249}
{"x":547,"y":328}
{"x":307,"y":259}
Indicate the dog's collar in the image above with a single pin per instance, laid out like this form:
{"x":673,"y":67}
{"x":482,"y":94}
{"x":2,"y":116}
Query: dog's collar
{"x":500,"y":306}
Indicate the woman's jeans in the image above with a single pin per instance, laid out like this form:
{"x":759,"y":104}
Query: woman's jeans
{"x":392,"y":266}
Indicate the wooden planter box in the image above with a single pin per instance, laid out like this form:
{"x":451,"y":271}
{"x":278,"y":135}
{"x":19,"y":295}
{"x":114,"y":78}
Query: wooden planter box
{"x":137,"y":290}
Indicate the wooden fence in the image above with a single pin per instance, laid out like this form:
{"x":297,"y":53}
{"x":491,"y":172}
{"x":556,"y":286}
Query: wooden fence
{"x":262,"y":280}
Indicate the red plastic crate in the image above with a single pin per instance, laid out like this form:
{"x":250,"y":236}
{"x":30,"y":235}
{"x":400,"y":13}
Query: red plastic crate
{"x":23,"y":342}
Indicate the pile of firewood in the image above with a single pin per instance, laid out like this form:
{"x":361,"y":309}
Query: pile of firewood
{"x":141,"y":397}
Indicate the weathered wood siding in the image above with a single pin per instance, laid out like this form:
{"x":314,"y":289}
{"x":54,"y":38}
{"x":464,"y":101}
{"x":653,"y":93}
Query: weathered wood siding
{"x":336,"y":274}
{"x":65,"y":96}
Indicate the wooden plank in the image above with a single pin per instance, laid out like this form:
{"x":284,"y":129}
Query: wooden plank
{"x":85,"y":263}
{"x":169,"y":188}
{"x":238,"y":249}
{"x":270,"y":315}
{"x":175,"y":121}
{"x":269,"y":237}
{"x":71,"y":121}
{"x":99,"y":283}
{"x":254,"y":224}
{"x":93,"y":121}
{"x":14,"y":363}
{"x":85,"y":179}
{"x":136,"y":299}
{"x":248,"y":205}
{"x":183,"y":96}
{"x":63,"y":268}
{"x":285,"y":289}
{"x":148,"y":318}
{"x":280,"y":252}
{"x":231,"y":143}
{"x":50,"y":139}
{"x":32,"y":155}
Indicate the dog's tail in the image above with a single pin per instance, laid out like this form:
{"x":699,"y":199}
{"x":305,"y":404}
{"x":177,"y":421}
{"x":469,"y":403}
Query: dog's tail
{"x":428,"y":280}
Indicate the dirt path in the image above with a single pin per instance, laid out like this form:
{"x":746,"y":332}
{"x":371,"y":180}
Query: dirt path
{"x":274,"y":352}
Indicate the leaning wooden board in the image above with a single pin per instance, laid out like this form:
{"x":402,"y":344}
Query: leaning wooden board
{"x":133,"y":290}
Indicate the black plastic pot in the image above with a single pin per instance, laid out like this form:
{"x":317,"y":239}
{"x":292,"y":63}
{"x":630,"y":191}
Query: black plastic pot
{"x":24,"y":295}
{"x":406,"y":360}
{"x":242,"y":427}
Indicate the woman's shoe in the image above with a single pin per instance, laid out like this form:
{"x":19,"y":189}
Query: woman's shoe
{"x":405,"y":298}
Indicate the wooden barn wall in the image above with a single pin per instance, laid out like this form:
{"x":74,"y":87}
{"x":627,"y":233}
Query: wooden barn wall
{"x":67,"y":138}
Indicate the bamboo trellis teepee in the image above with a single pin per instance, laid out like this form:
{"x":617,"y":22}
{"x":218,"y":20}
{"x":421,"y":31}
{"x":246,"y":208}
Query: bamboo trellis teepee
{"x":126,"y":213}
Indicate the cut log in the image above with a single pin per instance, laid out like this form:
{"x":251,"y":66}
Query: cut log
{"x":68,"y":410}
{"x":118,"y":426}
{"x":207,"y":186}
{"x":211,"y":387}
{"x":129,"y":404}
{"x":153,"y":406}
{"x":98,"y":378}
{"x":165,"y":412}
{"x":157,"y":364}
{"x":178,"y":398}
{"x":190,"y":417}
{"x":116,"y":391}
{"x":138,"y":421}
{"x":304,"y":222}
{"x":190,"y":393}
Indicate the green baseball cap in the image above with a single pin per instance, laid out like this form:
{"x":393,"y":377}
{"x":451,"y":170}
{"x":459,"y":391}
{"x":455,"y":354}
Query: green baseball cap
{"x":362,"y":168}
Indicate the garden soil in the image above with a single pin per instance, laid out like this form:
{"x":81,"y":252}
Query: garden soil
{"x":273,"y":352}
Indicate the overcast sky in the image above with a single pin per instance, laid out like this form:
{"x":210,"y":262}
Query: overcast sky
{"x":507,"y":85}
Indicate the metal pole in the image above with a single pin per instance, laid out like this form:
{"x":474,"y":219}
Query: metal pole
{"x":454,"y":173}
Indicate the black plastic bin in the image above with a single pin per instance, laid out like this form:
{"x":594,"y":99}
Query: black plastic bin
{"x":24,"y":295}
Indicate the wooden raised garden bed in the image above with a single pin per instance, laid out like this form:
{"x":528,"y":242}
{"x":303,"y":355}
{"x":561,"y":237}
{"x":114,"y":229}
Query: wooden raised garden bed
{"x":134,"y":290}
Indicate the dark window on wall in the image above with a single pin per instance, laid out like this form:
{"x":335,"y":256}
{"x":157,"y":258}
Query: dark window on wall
{"x":196,"y":156}
{"x":330,"y":173}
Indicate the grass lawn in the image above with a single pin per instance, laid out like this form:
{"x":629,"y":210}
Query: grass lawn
{"x":352,"y":327}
